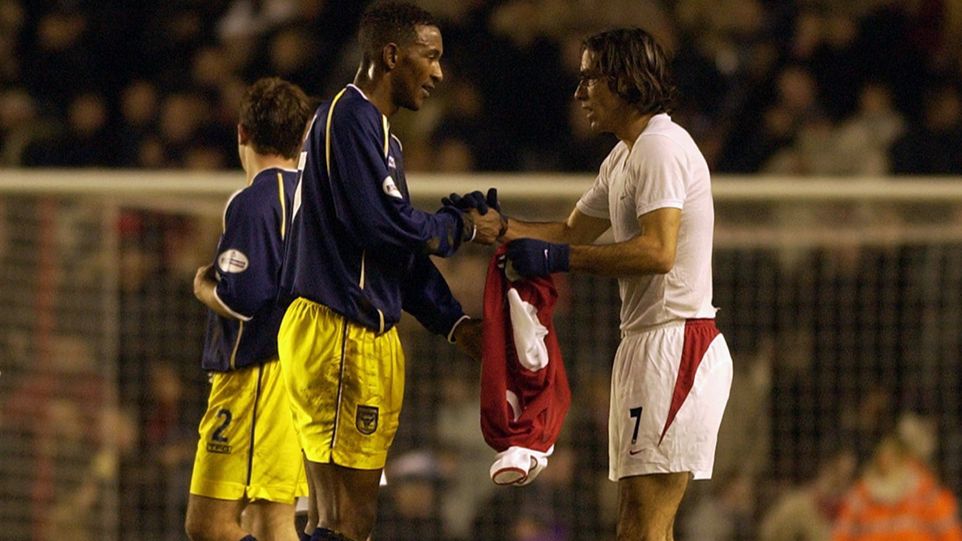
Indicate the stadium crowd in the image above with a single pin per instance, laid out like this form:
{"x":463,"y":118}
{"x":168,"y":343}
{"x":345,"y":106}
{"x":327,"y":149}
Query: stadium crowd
{"x":797,"y":87}
{"x":810,"y":87}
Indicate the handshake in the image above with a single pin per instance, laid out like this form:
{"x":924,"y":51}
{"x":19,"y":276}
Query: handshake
{"x":482,"y":227}
{"x":527,"y":257}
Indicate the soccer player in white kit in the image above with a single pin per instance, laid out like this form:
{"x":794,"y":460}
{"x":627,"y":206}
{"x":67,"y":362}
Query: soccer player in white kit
{"x":672,"y":371}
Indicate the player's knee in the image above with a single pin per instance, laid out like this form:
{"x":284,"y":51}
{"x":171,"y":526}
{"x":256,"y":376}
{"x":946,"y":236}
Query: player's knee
{"x":199,"y":528}
{"x":356,"y":520}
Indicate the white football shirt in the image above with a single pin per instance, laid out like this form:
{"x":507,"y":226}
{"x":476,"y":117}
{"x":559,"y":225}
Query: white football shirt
{"x":664,"y":168}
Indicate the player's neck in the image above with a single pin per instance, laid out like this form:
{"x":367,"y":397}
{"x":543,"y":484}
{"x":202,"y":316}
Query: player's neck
{"x":376,"y":86}
{"x":259,"y":162}
{"x":633,"y":126}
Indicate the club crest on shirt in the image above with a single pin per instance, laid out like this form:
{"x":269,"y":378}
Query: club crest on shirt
{"x":366,"y":420}
{"x":232,"y":261}
{"x":390,"y":188}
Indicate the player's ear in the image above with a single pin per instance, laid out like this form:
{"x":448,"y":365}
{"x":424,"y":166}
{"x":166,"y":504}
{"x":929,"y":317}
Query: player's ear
{"x":389,"y":55}
{"x":242,"y":136}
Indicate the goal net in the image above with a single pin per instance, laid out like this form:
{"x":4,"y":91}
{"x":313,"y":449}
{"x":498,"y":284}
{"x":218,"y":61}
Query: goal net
{"x":841,"y":300}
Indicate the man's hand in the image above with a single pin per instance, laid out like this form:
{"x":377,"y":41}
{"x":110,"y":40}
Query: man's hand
{"x":467,"y":336}
{"x":489,"y":226}
{"x":531,"y":257}
{"x":481,"y":203}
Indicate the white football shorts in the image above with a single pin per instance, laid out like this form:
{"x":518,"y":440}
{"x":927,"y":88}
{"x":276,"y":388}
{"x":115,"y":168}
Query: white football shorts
{"x":669,"y":388}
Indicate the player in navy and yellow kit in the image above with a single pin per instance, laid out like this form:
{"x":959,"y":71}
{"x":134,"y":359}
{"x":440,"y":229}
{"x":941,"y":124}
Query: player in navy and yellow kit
{"x":248,"y":456}
{"x":357,"y":255}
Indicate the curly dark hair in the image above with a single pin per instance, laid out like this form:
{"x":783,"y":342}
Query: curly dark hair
{"x":636,"y":67}
{"x":274,"y":113}
{"x":390,"y":22}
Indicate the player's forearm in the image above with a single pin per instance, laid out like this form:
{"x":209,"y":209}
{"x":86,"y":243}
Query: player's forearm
{"x":638,"y":256}
{"x":549,"y":231}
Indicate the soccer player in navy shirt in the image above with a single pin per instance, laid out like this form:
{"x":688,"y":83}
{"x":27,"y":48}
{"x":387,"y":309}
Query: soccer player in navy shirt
{"x":357,"y":255}
{"x":248,"y":459}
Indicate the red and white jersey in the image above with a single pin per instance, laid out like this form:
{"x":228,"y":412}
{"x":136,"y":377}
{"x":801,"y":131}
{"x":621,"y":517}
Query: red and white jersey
{"x":524,"y":386}
{"x":663,"y":169}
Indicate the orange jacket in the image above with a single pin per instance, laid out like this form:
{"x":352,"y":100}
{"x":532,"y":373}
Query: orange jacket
{"x":926,"y":512}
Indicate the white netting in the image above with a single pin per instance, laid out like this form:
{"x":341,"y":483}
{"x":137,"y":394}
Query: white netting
{"x":841,"y":300}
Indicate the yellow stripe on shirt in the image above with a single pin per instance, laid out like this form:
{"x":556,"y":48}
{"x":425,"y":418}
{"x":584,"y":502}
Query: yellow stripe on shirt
{"x":327,"y":131}
{"x":387,"y":134}
{"x":280,"y":197}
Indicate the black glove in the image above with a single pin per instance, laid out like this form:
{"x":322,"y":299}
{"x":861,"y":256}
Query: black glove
{"x":474,"y":200}
{"x":531,"y":257}
{"x":492,"y":199}
{"x":468,"y":201}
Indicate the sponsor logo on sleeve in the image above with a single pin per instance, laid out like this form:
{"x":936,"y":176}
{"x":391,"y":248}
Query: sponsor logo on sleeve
{"x":390,"y":188}
{"x":232,"y":261}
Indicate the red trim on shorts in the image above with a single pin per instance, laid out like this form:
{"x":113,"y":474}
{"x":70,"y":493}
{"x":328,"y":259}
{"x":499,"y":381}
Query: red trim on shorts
{"x":699,"y":334}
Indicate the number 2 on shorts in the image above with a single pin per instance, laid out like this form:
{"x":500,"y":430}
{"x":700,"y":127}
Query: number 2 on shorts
{"x":228,"y":417}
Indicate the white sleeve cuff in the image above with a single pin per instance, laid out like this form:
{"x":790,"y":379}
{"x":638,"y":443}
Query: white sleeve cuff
{"x":241,"y":317}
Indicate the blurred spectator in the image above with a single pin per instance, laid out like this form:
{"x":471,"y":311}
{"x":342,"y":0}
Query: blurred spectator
{"x":864,"y":139}
{"x":76,"y":516}
{"x":778,"y":126}
{"x":246,"y":18}
{"x":20,"y":125}
{"x":139,"y":108}
{"x":464,"y":456}
{"x":56,"y":412}
{"x":836,"y":63}
{"x":807,"y":512}
{"x":744,"y":438}
{"x":182,"y":117}
{"x":932,"y":146}
{"x":411,"y":500}
{"x":85,"y":141}
{"x":167,"y":450}
{"x":541,"y":511}
{"x":61,"y":60}
{"x":725,"y":514}
{"x":897,"y":498}
{"x":12,"y":19}
{"x":294,"y":54}
{"x":210,"y":69}
{"x":525,"y":95}
{"x":774,"y":86}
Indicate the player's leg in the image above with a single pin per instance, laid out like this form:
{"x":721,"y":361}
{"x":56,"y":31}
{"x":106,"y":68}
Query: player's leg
{"x":277,"y":474}
{"x":272,"y":521}
{"x":669,"y":390}
{"x":210,"y":519}
{"x":346,"y":498}
{"x":218,"y":481}
{"x":346,"y":385}
{"x":647,"y":505}
{"x":312,"y":517}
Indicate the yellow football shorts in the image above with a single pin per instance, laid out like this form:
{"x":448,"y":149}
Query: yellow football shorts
{"x":248,"y":447}
{"x":345,"y":383}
